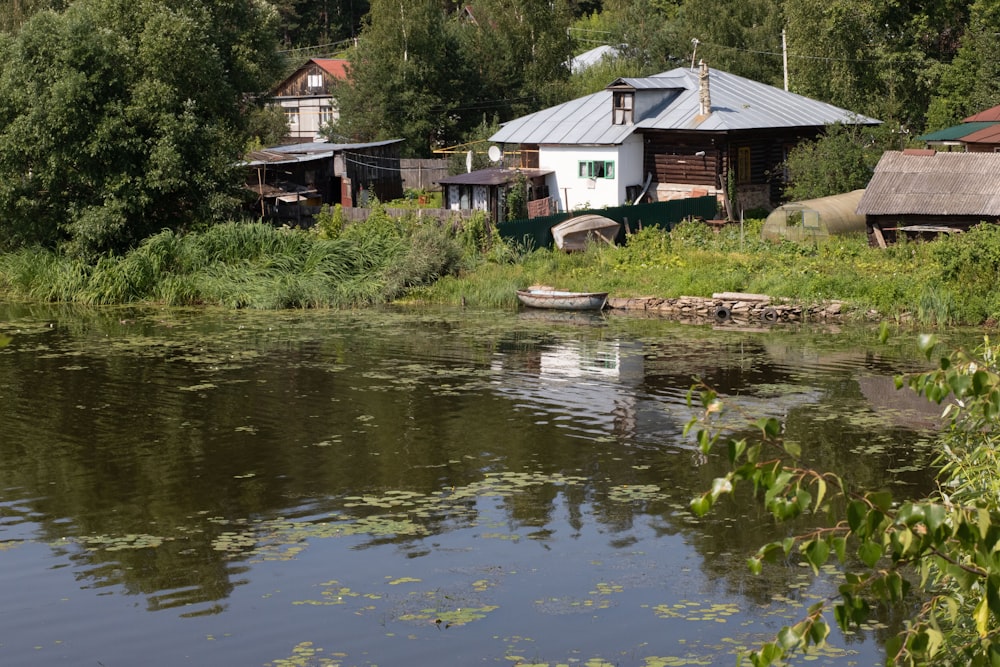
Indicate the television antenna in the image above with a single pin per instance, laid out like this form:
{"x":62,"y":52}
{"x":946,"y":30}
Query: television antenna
{"x":494,"y":154}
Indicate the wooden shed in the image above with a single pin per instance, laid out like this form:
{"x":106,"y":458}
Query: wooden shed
{"x":923,"y":193}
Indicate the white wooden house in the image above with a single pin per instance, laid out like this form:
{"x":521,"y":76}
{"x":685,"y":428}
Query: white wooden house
{"x":306,"y":99}
{"x":682,"y":133}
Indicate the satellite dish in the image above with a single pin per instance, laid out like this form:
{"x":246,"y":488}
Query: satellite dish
{"x":494,"y":154}
{"x":468,"y":161}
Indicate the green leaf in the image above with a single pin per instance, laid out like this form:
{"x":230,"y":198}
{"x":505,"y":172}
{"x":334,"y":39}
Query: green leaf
{"x":721,"y":485}
{"x":819,"y":631}
{"x":769,"y":426}
{"x":926,"y":343}
{"x":869,"y":552}
{"x":935,"y":516}
{"x":820,"y":491}
{"x":983,"y":522}
{"x":755,"y":565}
{"x":816,"y":553}
{"x":704,"y":441}
{"x":982,"y":617}
{"x":701,"y":505}
{"x":793,"y":449}
{"x":789,"y":639}
{"x":856,"y":513}
{"x":840,"y":548}
{"x":736,"y":449}
{"x":881,"y":500}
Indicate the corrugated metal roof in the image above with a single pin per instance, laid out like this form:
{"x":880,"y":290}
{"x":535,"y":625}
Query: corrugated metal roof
{"x":306,"y":152}
{"x":966,"y":184}
{"x":592,"y":57}
{"x":492,"y":176}
{"x":737,"y":104}
{"x":987,"y":135}
{"x":988,"y":115}
{"x":956,"y":132}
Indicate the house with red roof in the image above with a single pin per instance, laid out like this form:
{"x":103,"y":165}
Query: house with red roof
{"x":979,"y":133}
{"x":305,"y":96}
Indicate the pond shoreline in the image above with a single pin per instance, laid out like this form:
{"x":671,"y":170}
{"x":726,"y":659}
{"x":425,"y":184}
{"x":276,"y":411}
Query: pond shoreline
{"x":736,"y":306}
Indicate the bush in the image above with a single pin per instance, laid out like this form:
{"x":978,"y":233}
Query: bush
{"x":948,"y":538}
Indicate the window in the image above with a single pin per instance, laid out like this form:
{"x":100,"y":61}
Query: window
{"x":623,"y":103}
{"x":325,"y":115}
{"x":315,"y":81}
{"x":597,"y":169}
{"x":292,"y":116}
{"x":743,"y":165}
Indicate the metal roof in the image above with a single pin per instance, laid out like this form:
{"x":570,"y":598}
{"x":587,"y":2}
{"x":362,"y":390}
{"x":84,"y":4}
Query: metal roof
{"x":492,"y":176}
{"x":987,"y":135}
{"x":966,"y":184}
{"x":737,"y":104}
{"x":956,"y":132}
{"x":305,"y":152}
{"x":987,"y":115}
{"x":592,"y":57}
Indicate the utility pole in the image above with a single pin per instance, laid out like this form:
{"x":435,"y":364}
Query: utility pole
{"x":784,"y":56}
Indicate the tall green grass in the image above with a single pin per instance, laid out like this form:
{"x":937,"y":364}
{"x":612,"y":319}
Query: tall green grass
{"x":251,"y":265}
{"x":949,"y":281}
{"x":243,"y":265}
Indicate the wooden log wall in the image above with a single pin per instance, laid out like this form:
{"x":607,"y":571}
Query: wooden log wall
{"x":673,"y":159}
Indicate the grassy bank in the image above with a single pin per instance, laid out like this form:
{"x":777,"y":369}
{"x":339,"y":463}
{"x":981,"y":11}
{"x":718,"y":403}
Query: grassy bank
{"x":950,"y":281}
{"x":242,"y":265}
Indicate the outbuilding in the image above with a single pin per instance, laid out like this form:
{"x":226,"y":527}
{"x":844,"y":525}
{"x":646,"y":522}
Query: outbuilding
{"x":816,"y":220}
{"x":925,"y":193}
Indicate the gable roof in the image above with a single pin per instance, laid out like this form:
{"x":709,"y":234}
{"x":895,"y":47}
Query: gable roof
{"x":987,"y":135}
{"x":335,"y":67}
{"x":961,"y":184}
{"x":987,"y":115}
{"x":956,"y":132}
{"x":736,"y":104}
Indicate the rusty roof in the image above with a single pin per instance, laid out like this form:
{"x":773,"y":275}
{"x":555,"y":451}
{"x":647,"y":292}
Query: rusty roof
{"x":961,"y":184}
{"x":991,"y":115}
{"x":335,"y":67}
{"x":987,"y":135}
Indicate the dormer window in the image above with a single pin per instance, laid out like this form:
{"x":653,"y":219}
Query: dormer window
{"x":624,"y":103}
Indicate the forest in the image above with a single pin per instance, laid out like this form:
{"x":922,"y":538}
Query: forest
{"x":120,"y":119}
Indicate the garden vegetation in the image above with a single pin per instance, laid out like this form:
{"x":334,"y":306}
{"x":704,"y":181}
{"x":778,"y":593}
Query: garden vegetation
{"x":952,"y":281}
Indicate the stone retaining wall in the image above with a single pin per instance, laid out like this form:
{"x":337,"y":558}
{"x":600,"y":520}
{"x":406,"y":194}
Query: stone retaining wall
{"x":731,"y":306}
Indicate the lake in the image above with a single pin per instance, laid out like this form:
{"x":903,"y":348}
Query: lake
{"x":410,"y":487}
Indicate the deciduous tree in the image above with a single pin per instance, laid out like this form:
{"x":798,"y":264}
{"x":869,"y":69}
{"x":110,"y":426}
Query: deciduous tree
{"x":118,"y":119}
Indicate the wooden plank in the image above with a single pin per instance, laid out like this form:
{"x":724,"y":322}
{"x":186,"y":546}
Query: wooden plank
{"x":741,"y":296}
{"x":877,"y":231}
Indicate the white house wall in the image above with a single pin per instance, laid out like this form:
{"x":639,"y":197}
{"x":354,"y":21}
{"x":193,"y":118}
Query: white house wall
{"x":576,"y":192}
{"x":309,"y":114}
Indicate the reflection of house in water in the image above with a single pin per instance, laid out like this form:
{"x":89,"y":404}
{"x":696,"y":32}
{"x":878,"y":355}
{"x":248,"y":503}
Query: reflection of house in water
{"x":587,"y":385}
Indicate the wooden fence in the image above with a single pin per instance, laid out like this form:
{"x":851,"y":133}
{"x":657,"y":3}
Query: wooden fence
{"x":422,"y":174}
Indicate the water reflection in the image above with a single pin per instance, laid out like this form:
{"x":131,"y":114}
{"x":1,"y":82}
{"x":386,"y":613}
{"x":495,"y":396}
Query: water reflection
{"x":380,"y":464}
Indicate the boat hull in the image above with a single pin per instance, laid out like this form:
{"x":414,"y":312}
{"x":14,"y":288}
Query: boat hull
{"x":576,"y":233}
{"x":558,"y":300}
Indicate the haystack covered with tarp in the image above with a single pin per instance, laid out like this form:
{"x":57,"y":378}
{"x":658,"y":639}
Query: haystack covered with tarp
{"x":815,"y":220}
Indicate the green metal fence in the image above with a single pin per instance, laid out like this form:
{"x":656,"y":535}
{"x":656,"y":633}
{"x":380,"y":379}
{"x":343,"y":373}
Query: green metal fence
{"x":665,"y":214}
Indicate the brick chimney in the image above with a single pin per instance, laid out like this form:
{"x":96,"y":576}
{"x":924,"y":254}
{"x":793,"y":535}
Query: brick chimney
{"x":704,"y":96}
